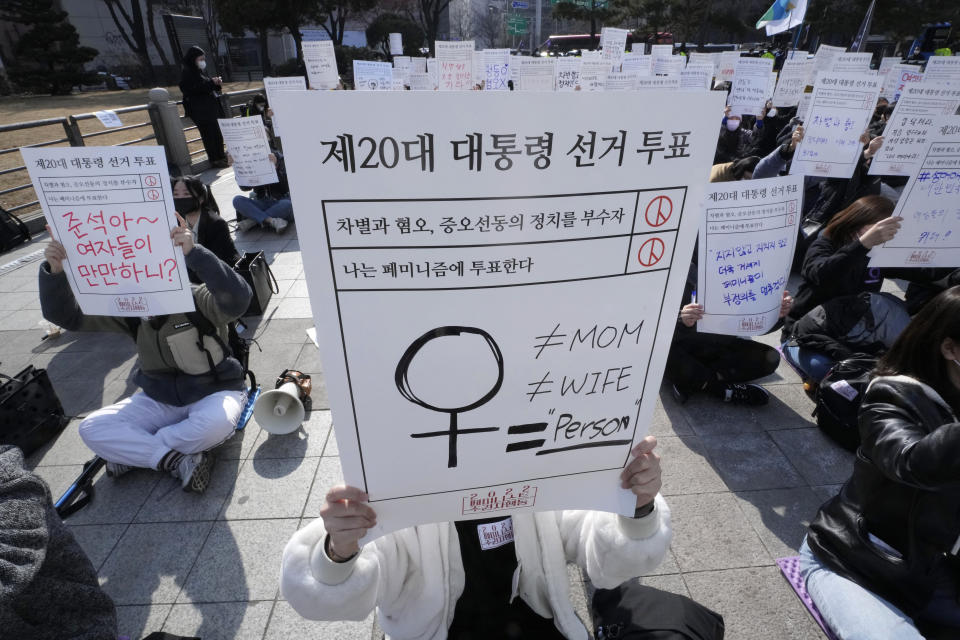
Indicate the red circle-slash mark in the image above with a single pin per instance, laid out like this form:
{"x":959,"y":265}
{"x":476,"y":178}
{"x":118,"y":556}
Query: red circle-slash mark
{"x":661,"y":213}
{"x":651,"y":251}
{"x":790,"y":219}
{"x":151,"y":181}
{"x":153,"y":194}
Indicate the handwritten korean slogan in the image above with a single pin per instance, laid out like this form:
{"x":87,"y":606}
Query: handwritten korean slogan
{"x":112,"y":209}
{"x":930,"y":206}
{"x":747,"y":238}
{"x":494,"y":303}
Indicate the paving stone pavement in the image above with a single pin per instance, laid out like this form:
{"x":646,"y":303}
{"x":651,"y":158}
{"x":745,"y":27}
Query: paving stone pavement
{"x":742,"y":484}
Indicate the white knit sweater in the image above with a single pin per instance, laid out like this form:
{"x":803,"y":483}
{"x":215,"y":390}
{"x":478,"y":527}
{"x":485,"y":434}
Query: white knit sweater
{"x":415,"y":576}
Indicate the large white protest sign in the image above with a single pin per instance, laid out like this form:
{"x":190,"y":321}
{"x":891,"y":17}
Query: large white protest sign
{"x":495,"y":302}
{"x":396,"y":44}
{"x":537,"y":74}
{"x":249,"y":148}
{"x":850,"y":62}
{"x":404,"y":65}
{"x":614,"y":43}
{"x":900,"y":76}
{"x":661,"y":50}
{"x":321,"y":63}
{"x":112,"y":210}
{"x":420,"y":65}
{"x":747,"y":238}
{"x":618,"y":81}
{"x":455,"y":65}
{"x":637,"y":63}
{"x":645,"y":83}
{"x":698,"y":57}
{"x":942,"y":69}
{"x":696,"y":76}
{"x":421,"y":82}
{"x":727,"y":66}
{"x":497,"y":69}
{"x":273,"y":87}
{"x":887,"y":63}
{"x":823,"y":59}
{"x":671,"y":66}
{"x":839,"y":112}
{"x":792,"y":81}
{"x":751,"y":81}
{"x":593,"y":75}
{"x":907,"y":134}
{"x":929,"y":206}
{"x":372,"y":76}
{"x":568,"y":74}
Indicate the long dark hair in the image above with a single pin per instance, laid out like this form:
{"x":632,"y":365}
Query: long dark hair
{"x":843,"y":228}
{"x":916,"y":353}
{"x":200,"y":191}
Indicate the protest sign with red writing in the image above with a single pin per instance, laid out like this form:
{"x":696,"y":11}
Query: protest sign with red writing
{"x":112,"y":209}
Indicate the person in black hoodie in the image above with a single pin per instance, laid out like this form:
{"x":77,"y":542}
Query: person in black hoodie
{"x":881,"y":557}
{"x":201,"y":103}
{"x":194,"y":201}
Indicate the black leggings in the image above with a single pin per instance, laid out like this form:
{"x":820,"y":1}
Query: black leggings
{"x":212,"y":140}
{"x":697,"y":359}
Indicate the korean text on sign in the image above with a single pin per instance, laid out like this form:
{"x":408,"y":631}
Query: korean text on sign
{"x":747,"y":238}
{"x":929,"y":235}
{"x":112,"y":209}
{"x":477,"y":286}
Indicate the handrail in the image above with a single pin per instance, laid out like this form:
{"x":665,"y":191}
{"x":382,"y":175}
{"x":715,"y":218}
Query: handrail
{"x":75,"y":137}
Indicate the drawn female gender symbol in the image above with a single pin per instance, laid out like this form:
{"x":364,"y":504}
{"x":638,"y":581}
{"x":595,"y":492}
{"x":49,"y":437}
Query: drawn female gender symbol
{"x":403,"y":385}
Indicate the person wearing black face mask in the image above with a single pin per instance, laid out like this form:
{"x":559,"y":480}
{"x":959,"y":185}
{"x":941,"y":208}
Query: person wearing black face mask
{"x":202,"y":104}
{"x":194,"y":202}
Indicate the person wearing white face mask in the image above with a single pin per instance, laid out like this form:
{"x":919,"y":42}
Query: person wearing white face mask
{"x":201,"y":103}
{"x":882,"y":558}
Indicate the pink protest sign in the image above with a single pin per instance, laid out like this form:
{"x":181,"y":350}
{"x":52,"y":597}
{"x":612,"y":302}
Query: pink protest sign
{"x":112,"y":209}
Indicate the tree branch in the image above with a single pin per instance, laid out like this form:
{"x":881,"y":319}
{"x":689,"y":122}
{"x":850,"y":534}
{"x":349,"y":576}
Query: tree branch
{"x":116,"y":21}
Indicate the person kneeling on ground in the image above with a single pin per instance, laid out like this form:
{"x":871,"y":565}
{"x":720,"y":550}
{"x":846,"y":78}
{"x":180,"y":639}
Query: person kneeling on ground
{"x":269,"y":205}
{"x":882,"y":558}
{"x":190,"y":398}
{"x":442,"y":580}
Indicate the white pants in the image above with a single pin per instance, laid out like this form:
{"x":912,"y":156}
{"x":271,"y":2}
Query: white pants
{"x":138,"y":431}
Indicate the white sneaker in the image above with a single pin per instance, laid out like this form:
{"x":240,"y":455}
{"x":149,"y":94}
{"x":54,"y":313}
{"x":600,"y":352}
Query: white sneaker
{"x":278,"y":224}
{"x":246,"y":224}
{"x":115,"y":469}
{"x":194,"y":472}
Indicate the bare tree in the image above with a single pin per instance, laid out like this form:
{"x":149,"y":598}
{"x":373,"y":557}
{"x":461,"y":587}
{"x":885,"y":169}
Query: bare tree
{"x":488,"y":26}
{"x":130,"y":24}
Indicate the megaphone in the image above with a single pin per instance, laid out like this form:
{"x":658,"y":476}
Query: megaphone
{"x":279,"y":411}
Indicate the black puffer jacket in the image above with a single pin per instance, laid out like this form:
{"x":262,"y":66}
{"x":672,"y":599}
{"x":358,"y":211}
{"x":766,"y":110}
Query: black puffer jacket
{"x":905,"y":490}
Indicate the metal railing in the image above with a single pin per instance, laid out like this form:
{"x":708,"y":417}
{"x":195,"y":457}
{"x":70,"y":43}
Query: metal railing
{"x":18,"y":197}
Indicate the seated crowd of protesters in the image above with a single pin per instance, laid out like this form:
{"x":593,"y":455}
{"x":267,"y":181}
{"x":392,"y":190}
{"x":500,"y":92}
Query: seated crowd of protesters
{"x":880,"y":559}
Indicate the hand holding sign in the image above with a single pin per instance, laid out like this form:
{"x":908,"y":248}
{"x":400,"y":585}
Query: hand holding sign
{"x":691,"y":313}
{"x":881,"y":232}
{"x":182,"y":236}
{"x":54,"y":253}
{"x":786,"y":303}
{"x":643,"y":475}
{"x":346,"y":517}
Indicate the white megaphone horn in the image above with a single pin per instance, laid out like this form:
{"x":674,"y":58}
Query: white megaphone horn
{"x":279,"y":411}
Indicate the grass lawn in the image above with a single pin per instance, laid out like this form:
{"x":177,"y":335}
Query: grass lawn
{"x":25,"y":108}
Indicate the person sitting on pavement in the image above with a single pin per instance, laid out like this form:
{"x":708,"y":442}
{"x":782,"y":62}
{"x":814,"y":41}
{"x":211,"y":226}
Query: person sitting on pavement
{"x":882,"y":558}
{"x":268,"y":204}
{"x":720,"y":365}
{"x":257,"y":106}
{"x":194,"y":201}
{"x":192,"y":391}
{"x":440,"y":581}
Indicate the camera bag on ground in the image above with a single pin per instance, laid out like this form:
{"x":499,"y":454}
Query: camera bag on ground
{"x":839,"y":398}
{"x":12,"y":231}
{"x":30,"y":411}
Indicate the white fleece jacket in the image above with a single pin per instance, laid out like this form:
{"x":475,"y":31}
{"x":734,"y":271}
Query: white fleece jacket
{"x":415,"y":576}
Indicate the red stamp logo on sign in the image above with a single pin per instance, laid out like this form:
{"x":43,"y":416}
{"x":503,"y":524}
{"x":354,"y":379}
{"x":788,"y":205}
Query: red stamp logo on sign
{"x":659,"y":211}
{"x":151,"y":181}
{"x":153,"y":194}
{"x":651,"y":252}
{"x":523,"y":495}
